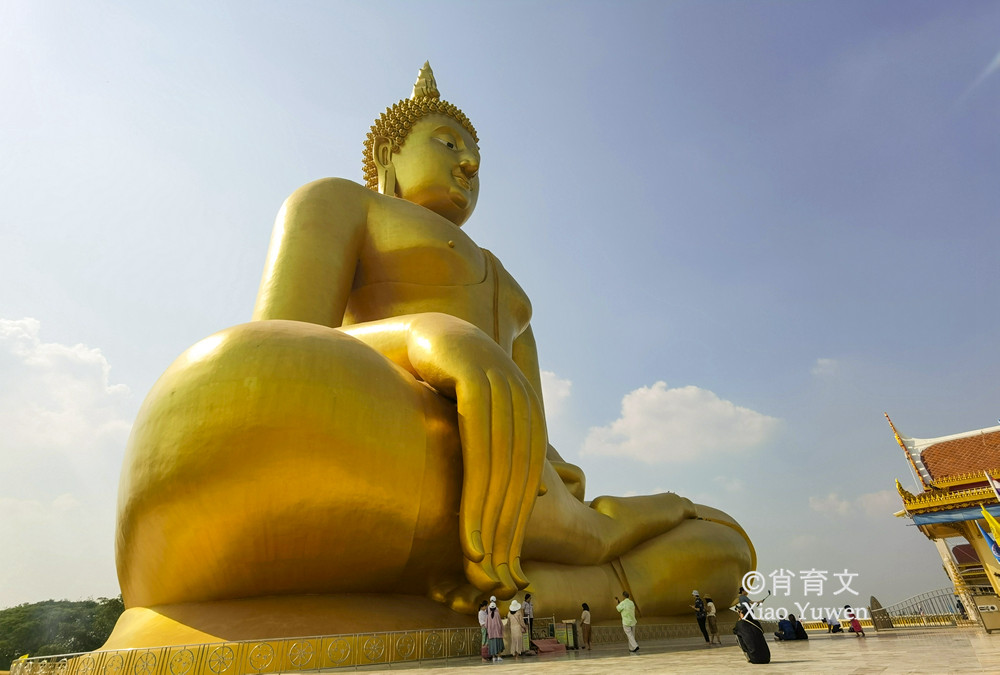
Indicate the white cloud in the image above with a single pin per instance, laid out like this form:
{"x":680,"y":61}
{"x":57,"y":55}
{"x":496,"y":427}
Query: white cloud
{"x":880,"y":504}
{"x":875,"y":504}
{"x":555,"y":393}
{"x":64,"y":428}
{"x":831,"y":504}
{"x":659,"y":425}
{"x":825,"y":367}
{"x":58,"y":410}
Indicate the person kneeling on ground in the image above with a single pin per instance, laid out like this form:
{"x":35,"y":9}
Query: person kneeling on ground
{"x":800,"y":631}
{"x":786,"y":630}
{"x":833,"y":625}
{"x":751,"y":638}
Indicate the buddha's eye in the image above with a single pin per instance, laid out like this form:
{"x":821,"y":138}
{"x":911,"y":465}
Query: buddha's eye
{"x":447,"y":141}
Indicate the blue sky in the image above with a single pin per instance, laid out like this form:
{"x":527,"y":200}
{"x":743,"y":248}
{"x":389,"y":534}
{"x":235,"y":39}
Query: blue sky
{"x":755,"y":225}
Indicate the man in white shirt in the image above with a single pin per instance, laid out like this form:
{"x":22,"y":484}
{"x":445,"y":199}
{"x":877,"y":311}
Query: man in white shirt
{"x":627,"y":609}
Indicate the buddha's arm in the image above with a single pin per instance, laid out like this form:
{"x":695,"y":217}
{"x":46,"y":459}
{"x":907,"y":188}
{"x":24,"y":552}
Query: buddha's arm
{"x":501,"y":426}
{"x":313,"y":254}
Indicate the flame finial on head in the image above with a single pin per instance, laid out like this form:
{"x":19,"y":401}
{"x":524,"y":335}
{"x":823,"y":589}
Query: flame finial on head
{"x":425,"y":86}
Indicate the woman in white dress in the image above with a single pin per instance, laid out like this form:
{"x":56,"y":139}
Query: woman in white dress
{"x":515,"y":618}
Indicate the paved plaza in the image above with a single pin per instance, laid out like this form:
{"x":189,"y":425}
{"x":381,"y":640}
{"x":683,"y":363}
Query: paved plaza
{"x":924,"y":650}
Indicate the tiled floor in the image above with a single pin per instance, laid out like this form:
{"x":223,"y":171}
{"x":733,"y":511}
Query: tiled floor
{"x":926,"y":650}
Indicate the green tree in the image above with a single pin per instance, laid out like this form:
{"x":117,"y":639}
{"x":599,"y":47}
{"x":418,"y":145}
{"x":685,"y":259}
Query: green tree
{"x":56,"y":627}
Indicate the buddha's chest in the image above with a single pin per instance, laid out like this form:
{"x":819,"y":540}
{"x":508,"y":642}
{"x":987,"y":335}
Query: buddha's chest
{"x":418,"y":247}
{"x":418,"y":264}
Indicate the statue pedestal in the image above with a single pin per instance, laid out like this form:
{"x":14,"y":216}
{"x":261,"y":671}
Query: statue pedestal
{"x":279,"y":617}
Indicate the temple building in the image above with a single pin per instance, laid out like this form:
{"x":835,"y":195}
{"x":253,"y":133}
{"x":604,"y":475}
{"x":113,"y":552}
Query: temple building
{"x":950,"y":473}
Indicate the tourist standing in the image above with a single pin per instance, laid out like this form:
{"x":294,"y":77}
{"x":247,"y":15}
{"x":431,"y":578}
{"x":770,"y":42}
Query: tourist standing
{"x":529,"y":615}
{"x":851,"y":617}
{"x":713,"y":623}
{"x":494,"y":632}
{"x":483,"y":608}
{"x":585,"y":626}
{"x":699,"y":614}
{"x":515,"y":619}
{"x":627,"y":609}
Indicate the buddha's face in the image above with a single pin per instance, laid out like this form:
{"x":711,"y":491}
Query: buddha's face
{"x":438,"y":168}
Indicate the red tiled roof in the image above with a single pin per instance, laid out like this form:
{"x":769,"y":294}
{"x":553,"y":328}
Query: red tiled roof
{"x":963,"y":455}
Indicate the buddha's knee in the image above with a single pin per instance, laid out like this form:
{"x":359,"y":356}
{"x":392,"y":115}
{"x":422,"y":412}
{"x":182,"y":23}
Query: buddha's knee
{"x":282,"y":457}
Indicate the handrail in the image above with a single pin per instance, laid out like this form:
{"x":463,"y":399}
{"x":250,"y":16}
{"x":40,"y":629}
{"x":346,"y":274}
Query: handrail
{"x":940,"y":602}
{"x":256,"y":657}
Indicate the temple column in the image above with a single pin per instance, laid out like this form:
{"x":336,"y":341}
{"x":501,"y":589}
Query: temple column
{"x":951,"y":569}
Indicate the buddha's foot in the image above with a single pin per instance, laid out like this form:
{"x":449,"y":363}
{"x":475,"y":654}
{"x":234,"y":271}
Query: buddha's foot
{"x":710,"y":553}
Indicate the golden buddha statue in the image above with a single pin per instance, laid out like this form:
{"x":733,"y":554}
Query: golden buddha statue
{"x":369,"y":452}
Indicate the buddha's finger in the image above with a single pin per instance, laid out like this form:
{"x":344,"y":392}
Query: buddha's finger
{"x":539,"y":444}
{"x":495,"y":457}
{"x":514,"y":501}
{"x":501,"y":440}
{"x":473,"y":427}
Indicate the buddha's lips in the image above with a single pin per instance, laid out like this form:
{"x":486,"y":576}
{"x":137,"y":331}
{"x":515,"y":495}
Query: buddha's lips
{"x":462,"y":181}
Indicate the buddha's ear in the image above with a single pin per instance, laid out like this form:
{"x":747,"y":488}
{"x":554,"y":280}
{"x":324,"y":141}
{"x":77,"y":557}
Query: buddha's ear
{"x":382,"y":156}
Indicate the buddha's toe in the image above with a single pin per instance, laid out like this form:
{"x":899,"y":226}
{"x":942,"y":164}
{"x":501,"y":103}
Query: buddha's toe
{"x":714,"y":515}
{"x":464,"y":599}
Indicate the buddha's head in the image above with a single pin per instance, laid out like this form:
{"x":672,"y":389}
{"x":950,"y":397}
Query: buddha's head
{"x":426,"y":151}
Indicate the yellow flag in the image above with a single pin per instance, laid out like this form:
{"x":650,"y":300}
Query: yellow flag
{"x":994,"y":525}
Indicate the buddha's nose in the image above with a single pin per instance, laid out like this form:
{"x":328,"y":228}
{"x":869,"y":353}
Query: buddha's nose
{"x":470,"y":165}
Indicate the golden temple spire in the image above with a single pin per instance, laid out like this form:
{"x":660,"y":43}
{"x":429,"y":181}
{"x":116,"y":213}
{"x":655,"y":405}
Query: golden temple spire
{"x":918,"y":470}
{"x":425,"y":86}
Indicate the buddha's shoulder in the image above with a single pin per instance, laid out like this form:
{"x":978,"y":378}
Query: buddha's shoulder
{"x":327,"y":189}
{"x":344,"y":195}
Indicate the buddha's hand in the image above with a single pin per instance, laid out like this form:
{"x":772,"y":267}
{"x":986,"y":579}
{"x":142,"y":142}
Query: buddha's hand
{"x":502,"y":429}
